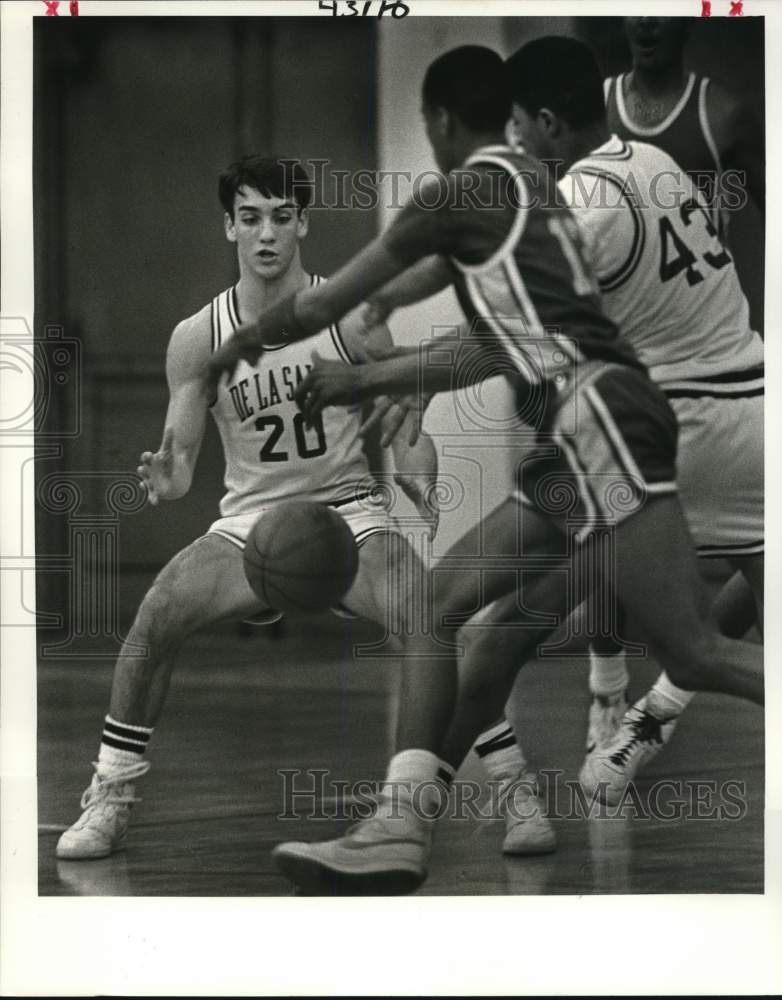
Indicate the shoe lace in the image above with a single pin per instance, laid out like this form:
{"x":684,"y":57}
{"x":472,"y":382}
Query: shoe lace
{"x":645,"y":728}
{"x":104,"y":792}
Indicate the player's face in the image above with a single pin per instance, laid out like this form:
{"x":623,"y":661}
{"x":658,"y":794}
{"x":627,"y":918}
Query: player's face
{"x":656,"y":42}
{"x":436,"y":122}
{"x":266,"y":232}
{"x":524,"y":130}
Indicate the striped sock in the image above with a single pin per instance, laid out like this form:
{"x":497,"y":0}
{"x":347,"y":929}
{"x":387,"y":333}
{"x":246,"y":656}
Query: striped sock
{"x":121,"y":744}
{"x":445,"y":775}
{"x":500,"y":753}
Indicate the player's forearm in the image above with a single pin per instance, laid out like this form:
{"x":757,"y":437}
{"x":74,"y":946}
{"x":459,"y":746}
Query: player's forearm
{"x":442,"y":365}
{"x":422,"y":281}
{"x":403,"y":374}
{"x":314,"y":309}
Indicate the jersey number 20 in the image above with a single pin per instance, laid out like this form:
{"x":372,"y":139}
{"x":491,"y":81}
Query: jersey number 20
{"x":276,"y":426}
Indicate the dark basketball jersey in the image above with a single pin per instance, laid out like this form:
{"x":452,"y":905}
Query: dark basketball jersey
{"x":520,"y":269}
{"x":684,"y":134}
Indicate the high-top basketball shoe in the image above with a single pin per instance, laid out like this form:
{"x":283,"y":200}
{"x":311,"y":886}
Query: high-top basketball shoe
{"x":102,"y":827}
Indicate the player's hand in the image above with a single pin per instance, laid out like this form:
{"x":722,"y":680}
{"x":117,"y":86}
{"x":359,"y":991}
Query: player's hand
{"x":423,"y":493}
{"x":392,"y":412}
{"x":328,"y":383}
{"x":157,"y":469}
{"x":374,"y":313}
{"x":244,"y":345}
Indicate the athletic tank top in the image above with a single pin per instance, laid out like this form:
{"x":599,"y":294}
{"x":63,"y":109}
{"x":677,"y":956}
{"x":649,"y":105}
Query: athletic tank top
{"x":666,"y":279}
{"x":270,"y":455}
{"x":536,"y":292}
{"x":684,"y":134}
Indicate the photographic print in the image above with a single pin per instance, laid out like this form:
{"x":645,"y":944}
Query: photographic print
{"x":388,"y":491}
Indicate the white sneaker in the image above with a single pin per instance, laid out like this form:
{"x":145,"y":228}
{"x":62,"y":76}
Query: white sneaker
{"x":379,"y":856}
{"x":608,"y":771}
{"x":605,"y":717}
{"x":102,"y":827}
{"x":527,"y":828}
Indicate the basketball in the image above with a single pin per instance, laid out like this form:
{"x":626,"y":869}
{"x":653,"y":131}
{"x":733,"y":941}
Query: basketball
{"x":301,"y":556}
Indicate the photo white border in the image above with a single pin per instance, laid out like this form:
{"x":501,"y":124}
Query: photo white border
{"x":413,"y":945}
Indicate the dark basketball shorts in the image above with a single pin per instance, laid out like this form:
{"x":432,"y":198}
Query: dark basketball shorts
{"x":608,"y":446}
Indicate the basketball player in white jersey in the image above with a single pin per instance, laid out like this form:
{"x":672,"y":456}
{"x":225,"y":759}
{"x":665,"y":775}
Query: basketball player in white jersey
{"x":271,"y":456}
{"x":671,"y":287}
{"x":717,"y":140}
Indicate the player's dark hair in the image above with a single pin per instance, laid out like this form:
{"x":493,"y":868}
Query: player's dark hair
{"x":273,"y":176}
{"x":471,"y":83}
{"x":560,"y":74}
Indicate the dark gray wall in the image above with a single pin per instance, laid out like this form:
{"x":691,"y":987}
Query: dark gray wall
{"x":134,"y":119}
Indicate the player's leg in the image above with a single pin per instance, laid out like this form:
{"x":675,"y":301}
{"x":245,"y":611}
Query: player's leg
{"x":390,"y":590}
{"x":390,"y":851}
{"x":201,"y":585}
{"x":751,"y":570}
{"x":735,"y":608}
{"x":608,"y":675}
{"x":499,"y":643}
{"x":657,"y":575}
{"x":720,"y":480}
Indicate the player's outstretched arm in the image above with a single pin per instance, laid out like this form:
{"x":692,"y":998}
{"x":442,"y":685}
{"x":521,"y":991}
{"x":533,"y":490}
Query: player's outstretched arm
{"x":309,"y":311}
{"x":168,"y":472}
{"x":415,"y":234}
{"x":415,"y":456}
{"x":443,"y":365}
{"x":421,"y":281}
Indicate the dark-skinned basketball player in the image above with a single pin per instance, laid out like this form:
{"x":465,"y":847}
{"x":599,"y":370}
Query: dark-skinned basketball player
{"x":672,"y":289}
{"x":503,"y":237}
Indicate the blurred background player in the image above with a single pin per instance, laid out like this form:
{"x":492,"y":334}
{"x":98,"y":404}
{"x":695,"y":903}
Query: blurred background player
{"x":519,"y":271}
{"x":671,"y":287}
{"x":270,"y":456}
{"x":697,"y":122}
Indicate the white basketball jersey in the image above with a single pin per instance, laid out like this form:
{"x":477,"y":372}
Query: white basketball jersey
{"x":270,"y":455}
{"x":666,"y":279}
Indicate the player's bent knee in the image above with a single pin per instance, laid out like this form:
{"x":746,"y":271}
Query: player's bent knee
{"x":168,"y":609}
{"x":690,"y":664}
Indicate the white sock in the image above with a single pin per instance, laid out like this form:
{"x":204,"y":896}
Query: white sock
{"x":665,"y":700}
{"x":412,"y":789}
{"x":608,"y":676}
{"x":499,"y":751}
{"x":121,"y":744}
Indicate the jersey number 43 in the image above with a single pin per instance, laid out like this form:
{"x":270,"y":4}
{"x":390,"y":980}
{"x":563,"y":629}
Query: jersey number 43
{"x":676,"y":256}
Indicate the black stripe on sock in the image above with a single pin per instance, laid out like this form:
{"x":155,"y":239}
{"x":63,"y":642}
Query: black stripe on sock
{"x":445,"y":776}
{"x":125,"y":732}
{"x":498,"y":743}
{"x":122,"y":745}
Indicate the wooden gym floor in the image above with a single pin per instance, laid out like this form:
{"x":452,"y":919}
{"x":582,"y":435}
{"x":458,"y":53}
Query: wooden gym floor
{"x":243,"y":707}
